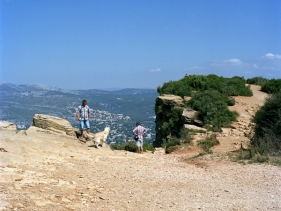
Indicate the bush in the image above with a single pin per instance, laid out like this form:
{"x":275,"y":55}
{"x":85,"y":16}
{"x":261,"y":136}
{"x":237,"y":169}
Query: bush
{"x":267,"y":137}
{"x":272,"y":86}
{"x":131,"y":146}
{"x":252,"y":156}
{"x":257,"y":81}
{"x":208,"y":143}
{"x":227,"y":86}
{"x":172,"y":146}
{"x":174,"y":143}
{"x":212,"y":109}
{"x":148,"y":147}
{"x":171,"y":124}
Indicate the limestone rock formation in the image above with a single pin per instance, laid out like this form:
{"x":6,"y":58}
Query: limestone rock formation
{"x":171,"y":117}
{"x":189,"y":116}
{"x":53,"y":123}
{"x":171,"y":100}
{"x":187,"y":98}
{"x":193,"y":127}
{"x":7,"y":125}
{"x":169,"y":121}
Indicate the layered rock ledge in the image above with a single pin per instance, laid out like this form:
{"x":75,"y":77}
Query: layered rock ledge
{"x":53,"y":123}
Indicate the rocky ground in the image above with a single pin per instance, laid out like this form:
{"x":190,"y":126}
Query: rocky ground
{"x":42,"y":170}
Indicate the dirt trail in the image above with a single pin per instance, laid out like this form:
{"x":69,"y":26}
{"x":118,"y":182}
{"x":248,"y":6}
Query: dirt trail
{"x":246,"y":107}
{"x":44,"y":171}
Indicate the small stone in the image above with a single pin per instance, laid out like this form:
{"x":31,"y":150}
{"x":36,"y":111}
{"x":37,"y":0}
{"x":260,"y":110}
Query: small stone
{"x":19,"y":205}
{"x":102,"y":198}
{"x":54,"y":198}
{"x":65,"y":200}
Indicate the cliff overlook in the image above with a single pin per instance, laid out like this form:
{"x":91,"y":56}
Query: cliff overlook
{"x":50,"y":169}
{"x":42,"y":169}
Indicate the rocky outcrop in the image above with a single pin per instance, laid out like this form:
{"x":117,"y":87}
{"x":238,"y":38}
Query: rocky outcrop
{"x":53,"y":123}
{"x":167,"y":108}
{"x":7,"y":125}
{"x":189,"y":116}
{"x":187,"y":98}
{"x":171,"y":116}
{"x":170,"y":100}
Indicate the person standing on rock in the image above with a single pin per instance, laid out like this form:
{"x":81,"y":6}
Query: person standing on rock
{"x":83,"y":115}
{"x":138,"y":132}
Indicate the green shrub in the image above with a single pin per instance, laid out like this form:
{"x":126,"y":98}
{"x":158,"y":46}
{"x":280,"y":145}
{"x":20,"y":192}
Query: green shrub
{"x":148,"y":147}
{"x":252,"y":156}
{"x":174,"y":143}
{"x":121,"y":146}
{"x":267,"y":137}
{"x":131,"y":146}
{"x":170,"y":149}
{"x":171,"y":124}
{"x":185,"y":136}
{"x":208,"y":143}
{"x":213,"y":109}
{"x":272,"y":86}
{"x":187,"y":85}
{"x":244,"y":154}
{"x":257,"y":81}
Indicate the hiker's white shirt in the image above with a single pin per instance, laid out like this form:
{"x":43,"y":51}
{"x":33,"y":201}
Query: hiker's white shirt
{"x":83,"y":111}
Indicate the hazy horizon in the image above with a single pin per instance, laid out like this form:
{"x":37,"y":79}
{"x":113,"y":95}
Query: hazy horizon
{"x":102,"y":89}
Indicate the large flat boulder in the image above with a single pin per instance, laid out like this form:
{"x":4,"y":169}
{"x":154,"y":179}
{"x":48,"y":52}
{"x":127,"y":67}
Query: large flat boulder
{"x":53,"y":123}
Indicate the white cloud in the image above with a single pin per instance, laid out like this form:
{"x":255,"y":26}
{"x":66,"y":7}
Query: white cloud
{"x":155,"y":70}
{"x":224,"y":63}
{"x":255,"y":66}
{"x":195,"y":68}
{"x":272,"y":56}
{"x":270,"y":61}
{"x":233,"y":61}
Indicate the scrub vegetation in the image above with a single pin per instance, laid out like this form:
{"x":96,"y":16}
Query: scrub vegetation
{"x":269,"y":86}
{"x":210,"y":96}
{"x":131,"y":146}
{"x":188,"y":85}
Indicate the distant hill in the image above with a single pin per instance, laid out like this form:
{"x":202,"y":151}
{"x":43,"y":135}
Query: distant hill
{"x":119,"y":109}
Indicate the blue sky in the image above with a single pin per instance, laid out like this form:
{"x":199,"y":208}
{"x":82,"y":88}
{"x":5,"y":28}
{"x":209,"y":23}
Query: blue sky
{"x":87,"y":44}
